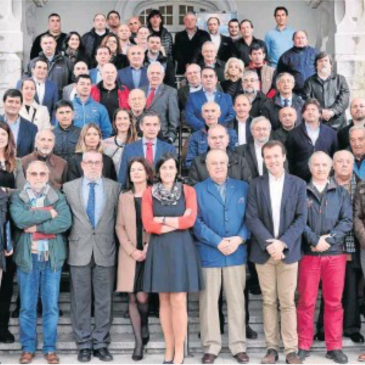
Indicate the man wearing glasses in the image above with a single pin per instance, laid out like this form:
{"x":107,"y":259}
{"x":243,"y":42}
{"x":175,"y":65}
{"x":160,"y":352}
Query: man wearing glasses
{"x":93,"y":201}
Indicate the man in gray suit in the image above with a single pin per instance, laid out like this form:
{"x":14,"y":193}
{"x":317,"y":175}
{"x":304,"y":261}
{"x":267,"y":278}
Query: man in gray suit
{"x":162,"y":99}
{"x":93,"y":200}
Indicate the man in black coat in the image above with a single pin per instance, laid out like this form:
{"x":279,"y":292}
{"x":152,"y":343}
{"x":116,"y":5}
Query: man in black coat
{"x":54,"y":29}
{"x":188,"y":43}
{"x":331,"y":90}
{"x":287,"y":118}
{"x":285,"y":97}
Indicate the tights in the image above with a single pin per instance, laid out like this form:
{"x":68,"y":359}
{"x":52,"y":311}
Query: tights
{"x":138,"y":314}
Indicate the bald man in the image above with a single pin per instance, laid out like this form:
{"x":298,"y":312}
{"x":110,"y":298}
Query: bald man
{"x":357,"y":111}
{"x":137,"y":101}
{"x":287,"y":118}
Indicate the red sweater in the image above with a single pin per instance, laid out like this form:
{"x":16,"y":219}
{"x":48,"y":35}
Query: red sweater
{"x":123,"y":93}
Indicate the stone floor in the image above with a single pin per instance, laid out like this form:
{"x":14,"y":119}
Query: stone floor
{"x":315,"y":358}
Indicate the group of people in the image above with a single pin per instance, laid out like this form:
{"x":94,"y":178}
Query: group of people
{"x":271,"y":201}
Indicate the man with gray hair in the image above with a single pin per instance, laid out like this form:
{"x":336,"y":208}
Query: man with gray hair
{"x":209,"y":58}
{"x":252,"y":151}
{"x":329,"y":221}
{"x":93,"y":200}
{"x":162,"y":99}
{"x":251,"y":88}
{"x":41,"y":215}
{"x":57,"y":166}
{"x":284,"y":98}
{"x":357,"y":145}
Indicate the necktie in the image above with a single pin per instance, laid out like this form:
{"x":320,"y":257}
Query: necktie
{"x":286,"y":102}
{"x":90,"y":209}
{"x":151,"y":95}
{"x":149,"y":152}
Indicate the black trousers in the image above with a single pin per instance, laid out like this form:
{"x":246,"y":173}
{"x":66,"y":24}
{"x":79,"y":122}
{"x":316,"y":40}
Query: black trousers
{"x":6,"y":293}
{"x":351,"y":319}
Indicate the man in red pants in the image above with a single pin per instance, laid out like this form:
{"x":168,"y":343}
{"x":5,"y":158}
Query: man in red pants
{"x":329,"y":220}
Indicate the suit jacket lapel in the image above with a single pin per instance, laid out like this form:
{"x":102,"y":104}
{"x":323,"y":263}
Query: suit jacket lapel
{"x":286,"y":192}
{"x":254,"y":158}
{"x":22,"y":133}
{"x":159,"y":151}
{"x":159,"y":92}
{"x":229,"y":191}
{"x":266,"y":193}
{"x":107,"y":196}
{"x":214,"y":192}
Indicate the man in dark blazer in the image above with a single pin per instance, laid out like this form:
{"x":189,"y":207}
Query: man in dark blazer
{"x":24,"y":132}
{"x":135,"y":75}
{"x":310,"y":136}
{"x":225,"y":45}
{"x":209,"y":92}
{"x":242,"y":121}
{"x":284,"y":98}
{"x":188,"y":43}
{"x":93,"y":201}
{"x":149,"y":146}
{"x":276,"y":216}
{"x":162,"y":99}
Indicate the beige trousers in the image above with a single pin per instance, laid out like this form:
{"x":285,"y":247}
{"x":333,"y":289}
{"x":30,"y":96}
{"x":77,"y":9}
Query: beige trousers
{"x":278,"y":281}
{"x":234,"y":281}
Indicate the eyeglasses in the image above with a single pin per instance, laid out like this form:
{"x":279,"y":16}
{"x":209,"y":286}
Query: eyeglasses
{"x":35,"y":174}
{"x":93,"y":163}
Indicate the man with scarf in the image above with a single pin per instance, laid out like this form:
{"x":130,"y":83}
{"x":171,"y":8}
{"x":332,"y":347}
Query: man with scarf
{"x":41,"y":215}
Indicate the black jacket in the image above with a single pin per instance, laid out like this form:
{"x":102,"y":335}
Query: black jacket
{"x":272,"y":107}
{"x":166,"y":40}
{"x":329,"y":214}
{"x":75,"y":171}
{"x":168,"y":65}
{"x":218,"y":67}
{"x":3,"y":219}
{"x":36,"y":46}
{"x":226,"y":49}
{"x":90,"y":44}
{"x":343,"y":136}
{"x":258,"y":104}
{"x":234,"y":125}
{"x":237,"y":168}
{"x":242,"y":50}
{"x":60,"y":70}
{"x":332,"y":93}
{"x":186,"y":50}
{"x":300,"y":148}
{"x":66,"y":141}
{"x":281,"y":135}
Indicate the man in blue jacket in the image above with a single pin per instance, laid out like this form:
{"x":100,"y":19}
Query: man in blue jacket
{"x":88,"y":110}
{"x":276,"y":216}
{"x":221,"y":235}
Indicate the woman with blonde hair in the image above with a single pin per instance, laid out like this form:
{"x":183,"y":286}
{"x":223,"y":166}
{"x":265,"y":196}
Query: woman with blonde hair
{"x":124,"y":127}
{"x":90,"y":140}
{"x":233,"y":74}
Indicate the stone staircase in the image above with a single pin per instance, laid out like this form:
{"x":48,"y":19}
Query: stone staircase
{"x":122,"y":334}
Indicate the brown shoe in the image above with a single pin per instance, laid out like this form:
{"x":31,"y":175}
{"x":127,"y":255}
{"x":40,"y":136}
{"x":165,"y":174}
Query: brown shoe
{"x":292,"y":358}
{"x":242,"y":358}
{"x":271,"y":357}
{"x":208,"y":359}
{"x":52,"y":358}
{"x":26,"y":358}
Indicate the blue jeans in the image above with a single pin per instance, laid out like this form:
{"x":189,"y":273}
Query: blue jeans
{"x":47,"y":281}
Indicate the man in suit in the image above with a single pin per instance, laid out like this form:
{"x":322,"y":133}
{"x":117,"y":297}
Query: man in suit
{"x":102,"y":56}
{"x":276,"y":216}
{"x":221,"y":234}
{"x":188,"y":43}
{"x":24,"y":132}
{"x":288,"y":118}
{"x":285,"y":97}
{"x":93,"y":200}
{"x":162,"y":99}
{"x":69,"y":92}
{"x":208,"y":93}
{"x":135,"y":75}
{"x":224,"y":45}
{"x":258,"y":64}
{"x":252,"y":151}
{"x":47,"y":91}
{"x":242,"y":122}
{"x":149,"y":146}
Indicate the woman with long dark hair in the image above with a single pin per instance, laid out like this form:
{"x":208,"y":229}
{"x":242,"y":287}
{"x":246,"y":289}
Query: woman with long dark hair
{"x":74,"y":49}
{"x":120,"y":60}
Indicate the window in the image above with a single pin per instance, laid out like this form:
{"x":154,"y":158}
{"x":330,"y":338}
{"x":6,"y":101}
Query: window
{"x":183,"y":9}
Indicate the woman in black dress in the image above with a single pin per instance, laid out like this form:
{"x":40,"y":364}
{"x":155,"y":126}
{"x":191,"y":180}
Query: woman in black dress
{"x":172,"y":267}
{"x":90,"y":139}
{"x":233,"y":74}
{"x":133,"y":241}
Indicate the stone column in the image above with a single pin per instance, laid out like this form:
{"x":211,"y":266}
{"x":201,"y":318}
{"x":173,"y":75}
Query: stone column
{"x":11,"y":44}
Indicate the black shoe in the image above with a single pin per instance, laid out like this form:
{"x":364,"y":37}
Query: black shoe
{"x":137,"y":353}
{"x":145,"y":340}
{"x":303,"y":354}
{"x":355,"y":337}
{"x":84,"y":355}
{"x":6,"y":336}
{"x":319,"y":336}
{"x":255,"y":290}
{"x":250,"y":333}
{"x":337,"y":356}
{"x":103,"y":354}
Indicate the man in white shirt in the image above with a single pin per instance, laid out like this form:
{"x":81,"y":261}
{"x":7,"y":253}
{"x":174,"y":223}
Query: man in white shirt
{"x":242,"y":121}
{"x":276,"y":216}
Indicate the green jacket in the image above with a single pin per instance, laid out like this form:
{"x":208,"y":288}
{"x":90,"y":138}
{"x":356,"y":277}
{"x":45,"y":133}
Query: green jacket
{"x":23,"y":218}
